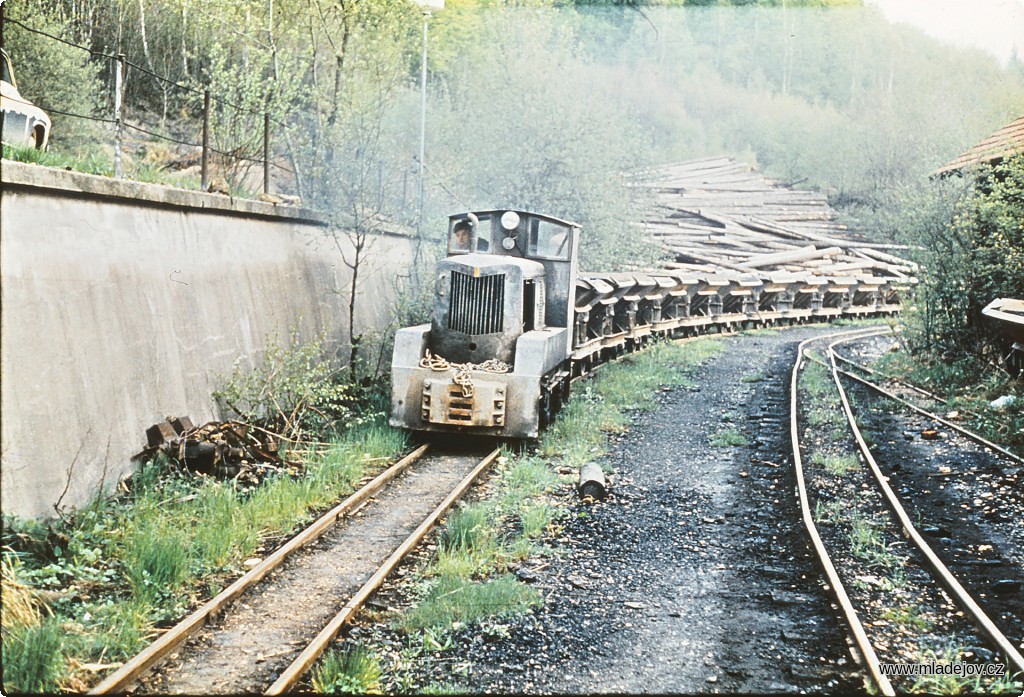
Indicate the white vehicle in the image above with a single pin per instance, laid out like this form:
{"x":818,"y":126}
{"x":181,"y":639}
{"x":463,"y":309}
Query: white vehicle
{"x":21,"y":121}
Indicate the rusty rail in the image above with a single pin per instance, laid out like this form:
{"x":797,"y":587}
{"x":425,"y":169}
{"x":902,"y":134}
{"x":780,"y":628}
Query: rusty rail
{"x":867,"y":651}
{"x":934,"y":417}
{"x":121,"y":679}
{"x":939,"y":570}
{"x":291,"y":675}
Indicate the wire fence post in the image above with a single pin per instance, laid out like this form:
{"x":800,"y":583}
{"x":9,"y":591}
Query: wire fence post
{"x":204,"y":181}
{"x":118,"y":84}
{"x":266,"y":152}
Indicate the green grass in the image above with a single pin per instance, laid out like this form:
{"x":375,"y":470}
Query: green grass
{"x":92,"y":162}
{"x":868,"y":544}
{"x":957,"y":685}
{"x":33,"y":659}
{"x":100,"y":162}
{"x":528,"y":477}
{"x":765,"y":331}
{"x":831,"y":512}
{"x":907,"y":616}
{"x":602,"y":405}
{"x":351,"y":671}
{"x":469,"y":545}
{"x":452,"y":599}
{"x":123,"y":567}
{"x":822,"y":408}
{"x":835,"y":464}
{"x":728,"y":438}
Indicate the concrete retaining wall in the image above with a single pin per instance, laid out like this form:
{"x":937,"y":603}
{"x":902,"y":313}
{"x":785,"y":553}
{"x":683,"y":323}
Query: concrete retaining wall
{"x":124,"y":303}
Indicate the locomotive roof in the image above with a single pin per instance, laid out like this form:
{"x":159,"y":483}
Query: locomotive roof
{"x":498,"y":211}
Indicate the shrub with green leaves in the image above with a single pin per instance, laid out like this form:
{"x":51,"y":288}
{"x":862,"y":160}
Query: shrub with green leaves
{"x":976,"y":257}
{"x":295,"y":390}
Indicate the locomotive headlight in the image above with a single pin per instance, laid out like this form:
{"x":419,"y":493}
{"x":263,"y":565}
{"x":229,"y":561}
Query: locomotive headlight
{"x":510,"y":220}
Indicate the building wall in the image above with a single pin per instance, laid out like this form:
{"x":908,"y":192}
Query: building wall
{"x":124,"y":303}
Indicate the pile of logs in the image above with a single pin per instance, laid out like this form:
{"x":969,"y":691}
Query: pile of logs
{"x":716,"y":215}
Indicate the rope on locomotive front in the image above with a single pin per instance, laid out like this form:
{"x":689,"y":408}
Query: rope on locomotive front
{"x":463,"y":371}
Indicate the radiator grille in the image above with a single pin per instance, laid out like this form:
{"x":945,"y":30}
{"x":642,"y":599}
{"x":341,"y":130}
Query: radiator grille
{"x":476,"y":305}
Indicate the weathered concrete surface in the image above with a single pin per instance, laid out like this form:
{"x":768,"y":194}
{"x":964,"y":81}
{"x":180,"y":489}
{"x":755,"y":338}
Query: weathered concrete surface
{"x":124,"y":303}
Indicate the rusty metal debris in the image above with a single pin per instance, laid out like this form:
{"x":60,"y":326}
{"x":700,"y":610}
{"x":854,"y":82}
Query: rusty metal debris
{"x":221,"y":449}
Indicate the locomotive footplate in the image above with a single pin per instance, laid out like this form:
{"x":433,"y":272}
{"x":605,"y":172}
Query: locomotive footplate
{"x":445,"y":402}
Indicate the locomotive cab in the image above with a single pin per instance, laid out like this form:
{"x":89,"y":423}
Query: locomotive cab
{"x":498,"y":339}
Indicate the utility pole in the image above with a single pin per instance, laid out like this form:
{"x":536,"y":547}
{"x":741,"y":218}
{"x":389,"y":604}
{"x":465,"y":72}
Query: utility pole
{"x":118,"y":89}
{"x":427,"y":6}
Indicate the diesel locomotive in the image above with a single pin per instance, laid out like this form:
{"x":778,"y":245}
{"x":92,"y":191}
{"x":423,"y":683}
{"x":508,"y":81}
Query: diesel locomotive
{"x":514,"y":322}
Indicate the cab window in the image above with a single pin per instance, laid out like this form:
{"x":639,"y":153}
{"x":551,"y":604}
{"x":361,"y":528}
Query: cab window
{"x":460,"y":236}
{"x":549,"y":240}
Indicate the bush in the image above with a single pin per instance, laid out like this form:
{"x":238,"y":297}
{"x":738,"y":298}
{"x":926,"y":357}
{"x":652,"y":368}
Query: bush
{"x":295,"y":391}
{"x":975,"y":258}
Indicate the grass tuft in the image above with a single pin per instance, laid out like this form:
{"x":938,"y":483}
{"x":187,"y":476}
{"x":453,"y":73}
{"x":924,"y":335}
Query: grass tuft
{"x":352,"y":671}
{"x":728,"y":438}
{"x":451,"y":599}
{"x":20,"y":604}
{"x":837,"y":465}
{"x":33,"y":659}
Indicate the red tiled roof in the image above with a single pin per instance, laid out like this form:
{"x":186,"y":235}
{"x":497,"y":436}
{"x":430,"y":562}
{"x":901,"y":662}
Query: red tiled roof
{"x":1007,"y":141}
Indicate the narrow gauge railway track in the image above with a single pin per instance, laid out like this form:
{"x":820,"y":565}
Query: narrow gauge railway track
{"x":904,"y":613}
{"x":899,"y":391}
{"x":966,"y":492}
{"x":264,"y":631}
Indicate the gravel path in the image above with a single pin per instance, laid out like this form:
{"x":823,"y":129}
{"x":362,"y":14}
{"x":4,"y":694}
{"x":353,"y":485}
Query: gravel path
{"x":693,"y":576}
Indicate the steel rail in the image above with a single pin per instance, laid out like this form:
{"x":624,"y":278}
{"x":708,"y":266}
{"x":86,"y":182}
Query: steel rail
{"x":935,"y":417}
{"x":864,"y":646}
{"x":294,"y":672}
{"x":939,"y":570}
{"x":909,"y":385}
{"x":121,"y":679}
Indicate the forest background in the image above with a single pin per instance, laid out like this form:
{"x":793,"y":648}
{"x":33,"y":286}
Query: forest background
{"x":537,"y":105}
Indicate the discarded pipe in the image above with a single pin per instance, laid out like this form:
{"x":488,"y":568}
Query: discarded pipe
{"x":592,"y":482}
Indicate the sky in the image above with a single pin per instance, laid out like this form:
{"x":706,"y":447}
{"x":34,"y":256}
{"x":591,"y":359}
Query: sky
{"x":994,"y":26}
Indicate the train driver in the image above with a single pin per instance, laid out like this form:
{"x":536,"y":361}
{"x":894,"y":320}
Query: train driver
{"x":462,"y":238}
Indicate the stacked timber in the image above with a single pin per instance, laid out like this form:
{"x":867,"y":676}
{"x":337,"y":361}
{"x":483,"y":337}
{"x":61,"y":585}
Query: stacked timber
{"x":718,"y":216}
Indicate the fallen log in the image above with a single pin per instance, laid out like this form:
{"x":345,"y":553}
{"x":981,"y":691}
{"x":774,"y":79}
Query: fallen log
{"x":592,"y":482}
